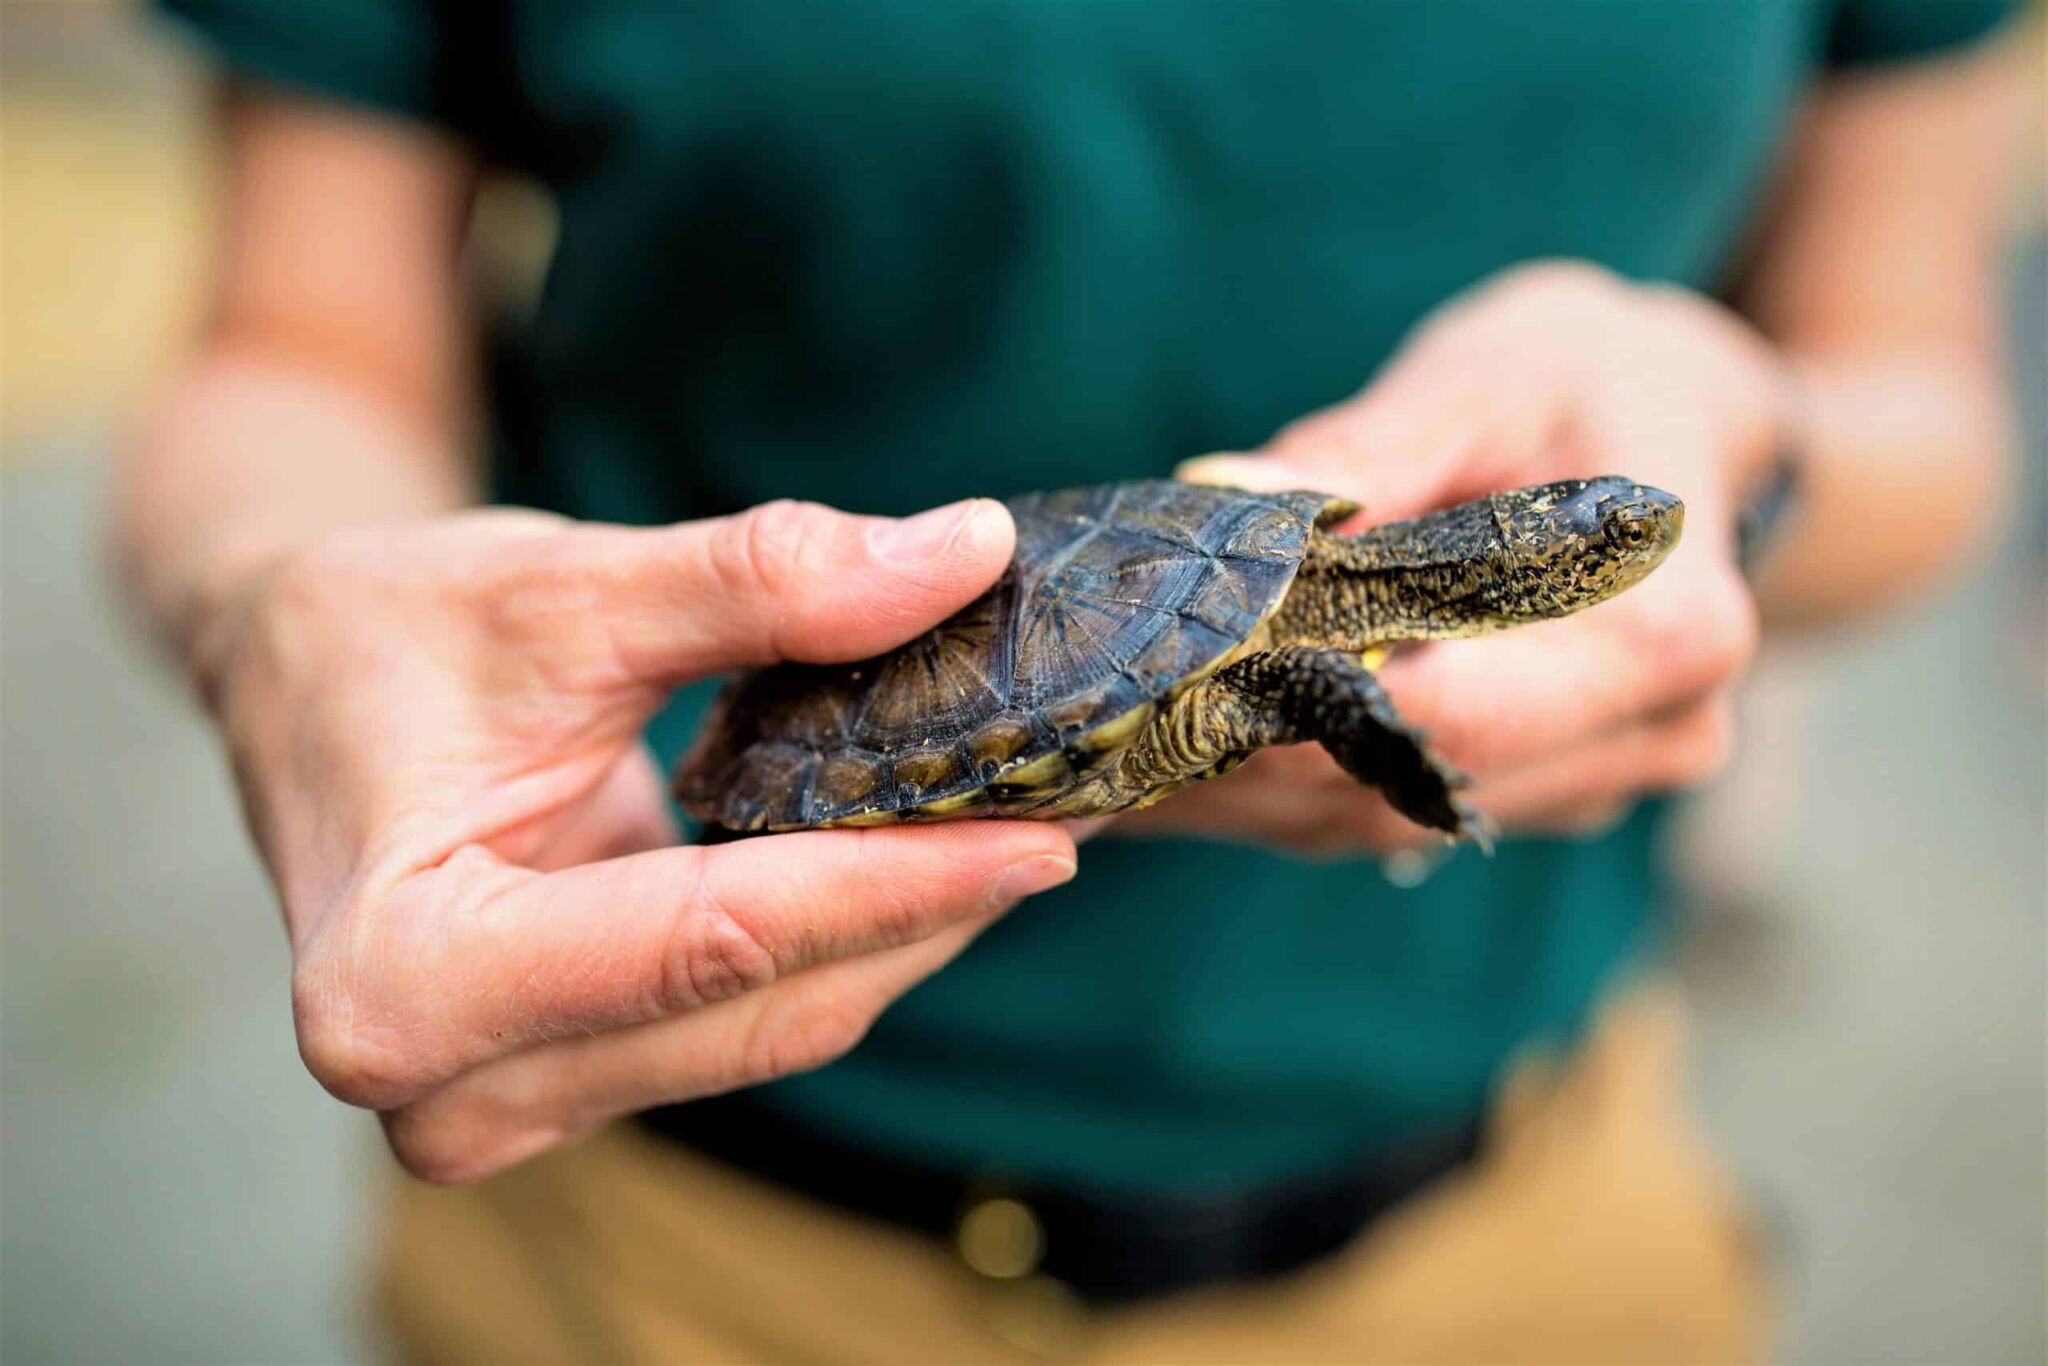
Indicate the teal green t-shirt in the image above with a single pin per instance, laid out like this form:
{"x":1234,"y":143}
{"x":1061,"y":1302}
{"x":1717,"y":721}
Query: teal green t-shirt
{"x":887,"y":253}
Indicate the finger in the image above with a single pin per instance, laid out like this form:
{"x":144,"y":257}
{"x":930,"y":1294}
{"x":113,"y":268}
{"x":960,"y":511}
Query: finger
{"x":506,"y":1111}
{"x":1581,"y":794}
{"x":1487,"y":392}
{"x":476,"y":958}
{"x":787,"y":581}
{"x":1297,"y":798}
{"x":1551,"y":687}
{"x":1587,"y":790}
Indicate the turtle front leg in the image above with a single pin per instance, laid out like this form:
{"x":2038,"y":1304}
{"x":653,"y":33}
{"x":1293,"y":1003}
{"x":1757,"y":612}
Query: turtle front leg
{"x":1299,"y":693}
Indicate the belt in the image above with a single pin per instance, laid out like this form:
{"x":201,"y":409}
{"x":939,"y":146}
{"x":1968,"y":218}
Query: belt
{"x":1106,"y":1249}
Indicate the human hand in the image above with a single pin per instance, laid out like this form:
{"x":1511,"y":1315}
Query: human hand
{"x":1551,"y":371}
{"x":496,"y":943}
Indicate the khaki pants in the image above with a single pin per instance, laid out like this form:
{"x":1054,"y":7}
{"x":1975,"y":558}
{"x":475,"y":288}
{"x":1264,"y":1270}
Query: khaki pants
{"x":1592,"y":1229}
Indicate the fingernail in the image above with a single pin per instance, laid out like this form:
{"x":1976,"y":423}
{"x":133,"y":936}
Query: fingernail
{"x":1029,"y":878}
{"x":1240,"y":471}
{"x":925,"y":535}
{"x":1205,"y":469}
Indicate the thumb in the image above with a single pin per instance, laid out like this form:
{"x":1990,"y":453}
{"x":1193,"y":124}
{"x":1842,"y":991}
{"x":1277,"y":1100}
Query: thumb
{"x":796,"y":581}
{"x":1345,"y":452}
{"x":1329,"y":466}
{"x":1282,"y":471}
{"x":1416,"y":439}
{"x":1260,"y":473}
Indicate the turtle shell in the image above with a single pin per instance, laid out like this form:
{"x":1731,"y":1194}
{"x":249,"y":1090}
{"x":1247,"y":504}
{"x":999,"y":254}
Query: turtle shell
{"x":1118,"y":596}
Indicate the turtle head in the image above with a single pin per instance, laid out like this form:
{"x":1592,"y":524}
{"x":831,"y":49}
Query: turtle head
{"x":1571,"y":544}
{"x":1499,"y":561}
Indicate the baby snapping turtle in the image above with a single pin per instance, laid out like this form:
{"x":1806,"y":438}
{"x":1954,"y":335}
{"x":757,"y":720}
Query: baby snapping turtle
{"x":1148,"y":635}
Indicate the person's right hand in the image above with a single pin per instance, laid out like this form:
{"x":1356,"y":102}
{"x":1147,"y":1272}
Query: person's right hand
{"x":496,"y":941}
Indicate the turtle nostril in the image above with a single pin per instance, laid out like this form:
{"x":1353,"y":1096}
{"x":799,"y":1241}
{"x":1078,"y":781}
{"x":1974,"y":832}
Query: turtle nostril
{"x":1674,"y":523}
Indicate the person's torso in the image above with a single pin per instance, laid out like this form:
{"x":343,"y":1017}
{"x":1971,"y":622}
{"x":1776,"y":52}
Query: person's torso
{"x":888,"y":254}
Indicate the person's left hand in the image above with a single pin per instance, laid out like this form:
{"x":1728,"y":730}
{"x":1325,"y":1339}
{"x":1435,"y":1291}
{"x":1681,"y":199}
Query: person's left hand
{"x":1550,"y":371}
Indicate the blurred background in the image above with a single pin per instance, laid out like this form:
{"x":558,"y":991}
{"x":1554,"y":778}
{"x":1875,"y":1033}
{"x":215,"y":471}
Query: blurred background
{"x":1866,"y":950}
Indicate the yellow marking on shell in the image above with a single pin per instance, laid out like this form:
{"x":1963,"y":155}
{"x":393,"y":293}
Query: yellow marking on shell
{"x":1118,"y":732}
{"x":1376,"y":656}
{"x":1039,"y":773}
{"x":947,"y":806}
{"x":864,"y":818}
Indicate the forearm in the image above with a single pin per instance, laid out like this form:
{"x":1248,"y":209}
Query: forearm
{"x":251,"y":453}
{"x":1879,"y":281}
{"x":334,"y":385}
{"x":1903,"y":462}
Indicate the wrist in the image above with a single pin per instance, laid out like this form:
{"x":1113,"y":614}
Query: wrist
{"x":208,"y":625}
{"x":206,"y":504}
{"x":1769,"y":495}
{"x":1763,"y":406}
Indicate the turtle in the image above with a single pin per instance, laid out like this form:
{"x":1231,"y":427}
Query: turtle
{"x":1154,"y":633}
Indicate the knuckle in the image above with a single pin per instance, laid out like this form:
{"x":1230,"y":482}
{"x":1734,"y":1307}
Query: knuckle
{"x":712,"y":955}
{"x":764,"y":551}
{"x":344,"y":1058}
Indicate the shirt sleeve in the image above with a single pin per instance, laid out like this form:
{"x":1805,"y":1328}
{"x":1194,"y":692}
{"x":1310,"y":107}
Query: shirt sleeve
{"x":379,"y":54}
{"x":1875,"y":32}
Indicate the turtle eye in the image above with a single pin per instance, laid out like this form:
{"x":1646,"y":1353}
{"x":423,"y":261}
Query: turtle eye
{"x":1626,"y":531}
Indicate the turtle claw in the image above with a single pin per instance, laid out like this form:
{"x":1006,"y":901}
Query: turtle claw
{"x":1475,"y":825}
{"x":1411,"y":867}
